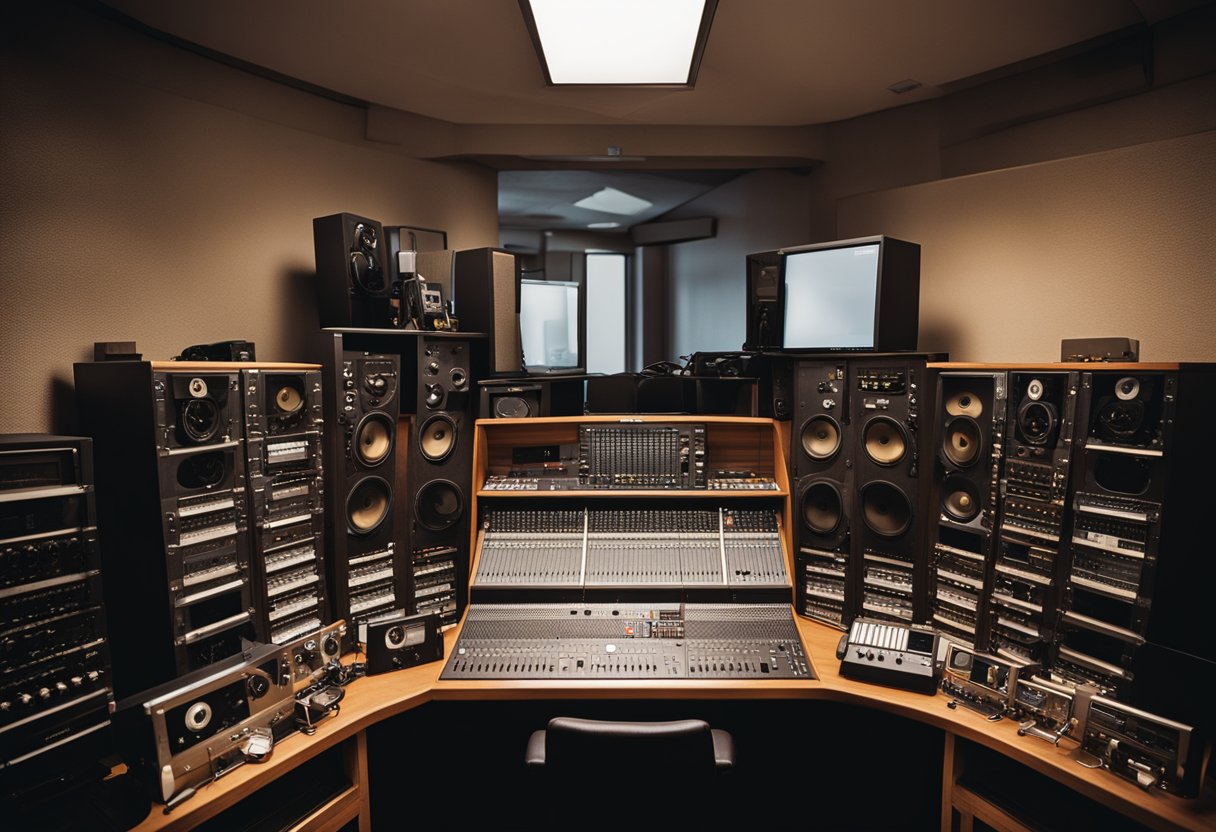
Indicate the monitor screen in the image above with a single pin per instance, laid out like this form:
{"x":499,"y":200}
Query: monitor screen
{"x":548,"y":324}
{"x":831,"y":298}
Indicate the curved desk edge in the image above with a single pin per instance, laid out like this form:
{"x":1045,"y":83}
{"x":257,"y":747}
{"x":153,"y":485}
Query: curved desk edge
{"x":373,"y":699}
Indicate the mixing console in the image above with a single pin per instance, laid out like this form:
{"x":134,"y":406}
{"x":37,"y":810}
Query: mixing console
{"x":610,"y":641}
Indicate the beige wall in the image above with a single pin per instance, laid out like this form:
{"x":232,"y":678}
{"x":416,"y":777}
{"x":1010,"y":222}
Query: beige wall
{"x":153,"y":195}
{"x":1113,"y":243}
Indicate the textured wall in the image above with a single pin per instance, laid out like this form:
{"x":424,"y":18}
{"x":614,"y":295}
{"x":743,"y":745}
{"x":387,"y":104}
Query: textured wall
{"x":1113,"y":243}
{"x":155,"y":196}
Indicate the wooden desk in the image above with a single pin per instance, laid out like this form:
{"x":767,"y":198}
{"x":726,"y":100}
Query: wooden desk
{"x":371,"y":700}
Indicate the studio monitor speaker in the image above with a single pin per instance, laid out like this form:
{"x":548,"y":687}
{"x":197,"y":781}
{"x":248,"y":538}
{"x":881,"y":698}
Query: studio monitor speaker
{"x":354,"y":281}
{"x":486,"y":294}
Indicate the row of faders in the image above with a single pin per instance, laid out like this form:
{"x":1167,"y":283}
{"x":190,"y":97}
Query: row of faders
{"x":55,"y":694}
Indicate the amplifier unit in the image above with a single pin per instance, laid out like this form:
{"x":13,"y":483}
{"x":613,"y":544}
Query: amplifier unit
{"x":55,"y":681}
{"x":1151,"y":751}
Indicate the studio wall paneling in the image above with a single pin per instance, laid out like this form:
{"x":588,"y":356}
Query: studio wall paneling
{"x":177,"y":194}
{"x":1014,"y":260}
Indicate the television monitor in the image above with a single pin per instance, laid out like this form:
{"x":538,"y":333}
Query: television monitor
{"x":860,"y":295}
{"x":552,"y":325}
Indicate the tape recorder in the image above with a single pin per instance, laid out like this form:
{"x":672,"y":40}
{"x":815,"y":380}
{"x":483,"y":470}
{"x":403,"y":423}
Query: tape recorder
{"x":199,"y":727}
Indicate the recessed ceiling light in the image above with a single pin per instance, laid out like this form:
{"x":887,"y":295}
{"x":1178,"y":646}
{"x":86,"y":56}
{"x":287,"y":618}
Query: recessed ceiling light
{"x":603,"y":225}
{"x":612,"y":201}
{"x":619,"y":42}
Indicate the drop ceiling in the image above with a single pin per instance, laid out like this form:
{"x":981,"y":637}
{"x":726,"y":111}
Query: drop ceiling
{"x":768,"y":65}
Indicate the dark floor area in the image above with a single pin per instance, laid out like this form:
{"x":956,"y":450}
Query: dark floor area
{"x":815,"y":765}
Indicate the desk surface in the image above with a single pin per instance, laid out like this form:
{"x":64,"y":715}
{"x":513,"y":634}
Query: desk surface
{"x":376,"y":698}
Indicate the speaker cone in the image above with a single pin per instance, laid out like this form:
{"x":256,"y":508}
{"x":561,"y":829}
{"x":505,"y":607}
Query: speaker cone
{"x":960,"y":499}
{"x":202,"y":470}
{"x":437,"y":438}
{"x":822,"y":509}
{"x":288,"y":399}
{"x":439,"y":505}
{"x":373,"y":439}
{"x":885,"y":508}
{"x":821,"y":437}
{"x":884,"y":440}
{"x":1120,"y":419}
{"x":1037,"y":420}
{"x":368,"y":505}
{"x":512,"y":407}
{"x":198,"y":717}
{"x":200,"y":420}
{"x":965,"y":403}
{"x":962,"y":440}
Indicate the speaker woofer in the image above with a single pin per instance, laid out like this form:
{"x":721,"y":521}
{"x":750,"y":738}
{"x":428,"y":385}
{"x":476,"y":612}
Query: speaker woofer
{"x":822,"y":508}
{"x":821,"y":437}
{"x":1037,"y":421}
{"x":965,"y":403}
{"x":885,"y":508}
{"x":368,"y":505}
{"x":373,"y":439}
{"x":200,"y":420}
{"x":885,"y":442}
{"x":512,"y":407}
{"x":960,"y":499}
{"x":962,"y":441}
{"x":1120,"y":419}
{"x":439,"y":505}
{"x":437,"y":438}
{"x":204,"y":470}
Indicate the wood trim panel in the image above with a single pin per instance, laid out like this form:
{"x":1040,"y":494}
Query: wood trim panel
{"x":376,"y":698}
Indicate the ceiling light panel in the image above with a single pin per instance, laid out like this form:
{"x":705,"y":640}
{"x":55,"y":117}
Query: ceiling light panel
{"x":612,"y":201}
{"x":620,"y":42}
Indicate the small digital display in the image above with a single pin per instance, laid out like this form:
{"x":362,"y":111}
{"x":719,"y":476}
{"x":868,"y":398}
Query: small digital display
{"x":990,"y":675}
{"x":920,"y":642}
{"x":831,"y":298}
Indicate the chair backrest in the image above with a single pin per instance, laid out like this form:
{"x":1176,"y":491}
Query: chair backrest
{"x":683,"y":747}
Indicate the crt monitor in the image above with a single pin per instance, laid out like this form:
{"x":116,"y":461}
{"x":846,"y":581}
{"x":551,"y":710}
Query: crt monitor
{"x":850,"y":295}
{"x":551,"y":325}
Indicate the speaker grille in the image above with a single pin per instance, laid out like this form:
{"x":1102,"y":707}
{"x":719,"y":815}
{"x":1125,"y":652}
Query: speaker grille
{"x":884,"y":439}
{"x":960,"y":499}
{"x":822,"y":508}
{"x":821,"y":437}
{"x":368,"y":505}
{"x":439,"y":505}
{"x":885,"y":508}
{"x":373,"y":441}
{"x":962,"y":441}
{"x":437,"y":438}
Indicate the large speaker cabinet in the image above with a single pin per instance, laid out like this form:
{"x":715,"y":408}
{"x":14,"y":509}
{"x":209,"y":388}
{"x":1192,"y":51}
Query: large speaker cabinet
{"x":821,"y":472}
{"x":367,"y":574}
{"x":1030,"y":550}
{"x":969,"y":421}
{"x":486,"y":291}
{"x":284,"y":431}
{"x":1135,"y":582}
{"x":893,"y":470}
{"x":437,"y":460}
{"x":173,"y":513}
{"x":400,"y":470}
{"x":55,"y":695}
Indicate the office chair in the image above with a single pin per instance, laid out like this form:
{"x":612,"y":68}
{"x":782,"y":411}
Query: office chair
{"x":576,"y":748}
